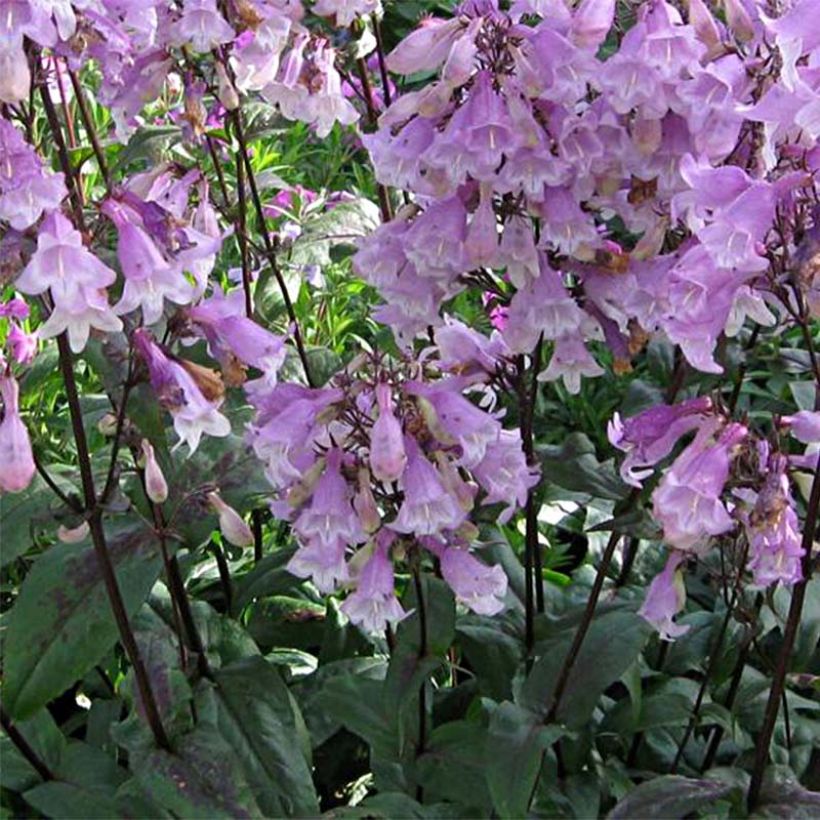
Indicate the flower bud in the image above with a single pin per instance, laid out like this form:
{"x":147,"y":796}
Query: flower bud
{"x":73,"y":536}
{"x":156,"y":488}
{"x":387,"y":455}
{"x":16,"y":459}
{"x":225,"y":90}
{"x":365,"y":504}
{"x":235,"y":530}
{"x":107,"y":425}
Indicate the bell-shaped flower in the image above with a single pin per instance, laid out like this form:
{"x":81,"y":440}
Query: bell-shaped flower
{"x":156,"y":487}
{"x":364,"y":503}
{"x":570,"y":360}
{"x":804,"y":425}
{"x":181,"y":395}
{"x":649,"y":437}
{"x":16,"y":459}
{"x":477,"y":586}
{"x":687,"y":501}
{"x":27,"y":188}
{"x":504,"y":473}
{"x":201,"y":26}
{"x":76,"y":279}
{"x":772,"y":528}
{"x":387,"y":454}
{"x":324,"y":563}
{"x":231,"y":524}
{"x":454,"y":420}
{"x":591,"y":23}
{"x":427,"y":509}
{"x":330,"y":515}
{"x":665,"y":598}
{"x":231,"y":334}
{"x":374,"y":604}
{"x":149,"y":278}
{"x":426,"y":48}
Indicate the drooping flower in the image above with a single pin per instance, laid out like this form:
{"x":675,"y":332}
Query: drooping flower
{"x":804,"y":425}
{"x":374,"y":604}
{"x":387,"y":454}
{"x":772,"y":528}
{"x":180,"y":394}
{"x":76,"y":279}
{"x":665,"y":599}
{"x":16,"y":458}
{"x":330,"y":515}
{"x":427,"y":509}
{"x":687,"y":502}
{"x":201,"y":26}
{"x":476,"y":585}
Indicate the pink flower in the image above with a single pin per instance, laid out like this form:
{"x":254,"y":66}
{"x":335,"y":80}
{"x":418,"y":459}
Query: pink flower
{"x":665,"y":599}
{"x":477,"y":586}
{"x":687,"y":500}
{"x":16,"y":459}
{"x":374,"y":604}
{"x":427,"y":509}
{"x":387,"y":454}
{"x":179,"y":393}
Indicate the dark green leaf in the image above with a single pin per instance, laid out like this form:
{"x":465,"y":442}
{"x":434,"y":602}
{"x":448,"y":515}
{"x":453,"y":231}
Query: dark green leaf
{"x":515,"y":746}
{"x":260,"y":721}
{"x":574,"y":466}
{"x":61,"y":623}
{"x":669,"y":796}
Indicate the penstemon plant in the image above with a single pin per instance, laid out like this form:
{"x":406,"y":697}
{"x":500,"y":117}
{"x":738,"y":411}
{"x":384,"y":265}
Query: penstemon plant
{"x":317,"y":321}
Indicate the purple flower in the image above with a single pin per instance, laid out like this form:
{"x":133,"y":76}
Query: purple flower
{"x":804,"y":426}
{"x":477,"y":586}
{"x":649,"y":437}
{"x":180,"y":394}
{"x":232,"y":334}
{"x":330,"y":515}
{"x":665,"y":599}
{"x":201,"y":26}
{"x":387,"y":455}
{"x":323,"y":563}
{"x":76,"y":279}
{"x":504,"y":473}
{"x":427,"y":509}
{"x":27,"y":189}
{"x":687,"y":501}
{"x":374,"y":604}
{"x":773,"y":529}
{"x":15,"y":447}
{"x":454,"y":420}
{"x":23,"y":345}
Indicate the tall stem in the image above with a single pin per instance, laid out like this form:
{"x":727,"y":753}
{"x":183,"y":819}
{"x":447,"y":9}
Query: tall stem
{"x":422,"y":610}
{"x":109,"y":576}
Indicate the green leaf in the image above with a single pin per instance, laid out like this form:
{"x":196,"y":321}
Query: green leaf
{"x":458,"y":746}
{"x":258,"y":718}
{"x":23,"y":515}
{"x":62,"y":624}
{"x":573,"y":465}
{"x":612,"y":644}
{"x":57,"y":799}
{"x":493,"y":654}
{"x":669,"y":796}
{"x":515,"y":746}
{"x":268,"y":577}
{"x":201,"y":780}
{"x":45,"y":738}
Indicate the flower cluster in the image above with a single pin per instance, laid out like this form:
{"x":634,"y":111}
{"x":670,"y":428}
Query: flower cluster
{"x":726,"y":479}
{"x":598,"y":201}
{"x":385,"y":459}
